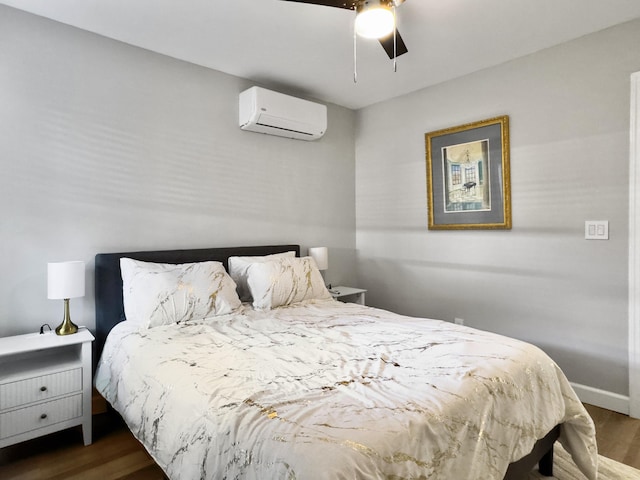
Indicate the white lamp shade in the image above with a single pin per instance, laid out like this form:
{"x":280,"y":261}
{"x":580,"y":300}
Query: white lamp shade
{"x":375,"y":22}
{"x":321,"y":257}
{"x":65,"y":280}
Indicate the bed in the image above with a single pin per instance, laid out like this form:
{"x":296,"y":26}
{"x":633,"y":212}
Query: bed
{"x":318,"y":389}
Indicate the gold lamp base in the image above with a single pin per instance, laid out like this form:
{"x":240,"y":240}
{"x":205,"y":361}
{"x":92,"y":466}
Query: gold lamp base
{"x":67,"y":327}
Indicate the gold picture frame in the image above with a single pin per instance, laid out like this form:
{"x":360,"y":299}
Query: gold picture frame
{"x":468,"y":176}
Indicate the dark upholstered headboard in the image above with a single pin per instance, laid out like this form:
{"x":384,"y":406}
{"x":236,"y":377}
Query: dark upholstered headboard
{"x":108,"y":280}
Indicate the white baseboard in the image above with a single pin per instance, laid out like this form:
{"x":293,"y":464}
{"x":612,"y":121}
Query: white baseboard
{"x":602,"y":398}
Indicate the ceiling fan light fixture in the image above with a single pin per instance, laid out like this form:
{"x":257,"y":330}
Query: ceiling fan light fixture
{"x":375,"y":19}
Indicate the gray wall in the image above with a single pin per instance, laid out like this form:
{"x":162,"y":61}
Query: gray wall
{"x":541,"y":281}
{"x":106,"y":147}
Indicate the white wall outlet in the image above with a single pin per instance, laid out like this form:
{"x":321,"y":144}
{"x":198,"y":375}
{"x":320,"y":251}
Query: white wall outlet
{"x":596,"y":229}
{"x":458,"y":321}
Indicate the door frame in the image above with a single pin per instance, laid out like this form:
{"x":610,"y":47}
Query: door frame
{"x":634,"y":249}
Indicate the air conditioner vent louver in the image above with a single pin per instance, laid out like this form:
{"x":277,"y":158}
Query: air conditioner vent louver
{"x":280,"y":128}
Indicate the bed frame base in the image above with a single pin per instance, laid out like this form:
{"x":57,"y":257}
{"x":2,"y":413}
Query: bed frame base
{"x":542,"y":454}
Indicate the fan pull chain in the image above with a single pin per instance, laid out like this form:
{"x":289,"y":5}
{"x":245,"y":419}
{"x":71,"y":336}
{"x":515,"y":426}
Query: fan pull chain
{"x":395,"y":36}
{"x":355,"y":55}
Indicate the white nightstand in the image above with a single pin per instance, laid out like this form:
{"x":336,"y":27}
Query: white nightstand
{"x":45,"y":385}
{"x":348,"y":294}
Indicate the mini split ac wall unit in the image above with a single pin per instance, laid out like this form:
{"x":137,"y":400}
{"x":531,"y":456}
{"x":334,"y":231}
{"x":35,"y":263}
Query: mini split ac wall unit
{"x":274,"y":113}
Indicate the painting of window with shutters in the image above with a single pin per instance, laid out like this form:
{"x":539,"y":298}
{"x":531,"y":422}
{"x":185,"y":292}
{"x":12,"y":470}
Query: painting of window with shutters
{"x":465,"y":170}
{"x":468,"y":179}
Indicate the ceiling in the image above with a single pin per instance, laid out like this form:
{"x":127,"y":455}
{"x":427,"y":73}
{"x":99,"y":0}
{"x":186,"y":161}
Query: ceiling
{"x":308,"y":49}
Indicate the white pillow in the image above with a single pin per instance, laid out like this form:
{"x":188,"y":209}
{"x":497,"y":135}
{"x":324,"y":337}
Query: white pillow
{"x":285,"y":281}
{"x":159,"y":293}
{"x":238,"y":267}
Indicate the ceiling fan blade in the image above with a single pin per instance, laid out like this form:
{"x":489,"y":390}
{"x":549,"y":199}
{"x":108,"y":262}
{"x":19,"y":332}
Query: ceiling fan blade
{"x":348,"y":4}
{"x":387,"y":44}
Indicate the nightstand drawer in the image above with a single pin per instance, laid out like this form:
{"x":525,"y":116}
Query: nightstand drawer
{"x":40,"y":415}
{"x":40,"y":388}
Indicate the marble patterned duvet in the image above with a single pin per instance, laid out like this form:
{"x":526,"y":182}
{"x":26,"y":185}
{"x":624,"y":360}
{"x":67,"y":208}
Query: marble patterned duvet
{"x":327,"y":390}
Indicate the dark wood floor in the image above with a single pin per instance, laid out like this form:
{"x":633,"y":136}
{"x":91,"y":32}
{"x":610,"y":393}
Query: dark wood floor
{"x":116,"y":454}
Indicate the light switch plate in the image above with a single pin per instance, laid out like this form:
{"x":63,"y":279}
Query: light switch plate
{"x":596,"y":230}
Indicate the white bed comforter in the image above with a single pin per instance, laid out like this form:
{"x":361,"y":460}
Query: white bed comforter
{"x":327,"y":390}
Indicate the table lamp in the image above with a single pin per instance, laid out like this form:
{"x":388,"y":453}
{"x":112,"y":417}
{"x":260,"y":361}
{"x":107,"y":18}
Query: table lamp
{"x":65,"y":280}
{"x":321,"y":257}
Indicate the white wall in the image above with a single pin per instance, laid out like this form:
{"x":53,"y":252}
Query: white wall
{"x":541,"y":281}
{"x":106,"y":147}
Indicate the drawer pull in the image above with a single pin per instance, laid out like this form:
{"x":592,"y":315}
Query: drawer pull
{"x":43,"y":416}
{"x":43,"y":389}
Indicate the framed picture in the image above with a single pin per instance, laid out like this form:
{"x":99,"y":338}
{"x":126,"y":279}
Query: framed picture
{"x":468,"y":184}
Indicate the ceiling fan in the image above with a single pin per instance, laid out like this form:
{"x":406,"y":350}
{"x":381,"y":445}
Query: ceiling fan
{"x":374,"y":11}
